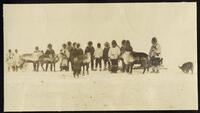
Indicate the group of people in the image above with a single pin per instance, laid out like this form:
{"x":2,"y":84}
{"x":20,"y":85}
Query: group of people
{"x":13,"y":60}
{"x":110,"y":54}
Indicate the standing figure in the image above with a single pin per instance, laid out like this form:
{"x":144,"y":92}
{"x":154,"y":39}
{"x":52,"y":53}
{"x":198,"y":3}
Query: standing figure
{"x":79,"y":50}
{"x":154,"y":54}
{"x":105,"y":56}
{"x":77,"y":61}
{"x":36,"y":64}
{"x":90,"y":49}
{"x":73,"y":54}
{"x":122,"y":51}
{"x":128,"y":50}
{"x":113,"y":54}
{"x":51,"y":54}
{"x":64,"y":65}
{"x":98,"y":54}
{"x":70,"y":48}
{"x":17,"y":59}
{"x":10,"y":60}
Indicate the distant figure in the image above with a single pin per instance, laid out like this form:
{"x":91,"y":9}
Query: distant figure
{"x":154,"y":54}
{"x":36,"y":64}
{"x":105,"y":56}
{"x":17,"y":60}
{"x":90,"y":49}
{"x":98,"y":54}
{"x":128,"y":50}
{"x":10,"y":60}
{"x":64,"y":65}
{"x":77,"y":61}
{"x":122,"y":51}
{"x":70,"y":48}
{"x":186,"y":67}
{"x":73,"y":54}
{"x":51,"y":54}
{"x":79,"y":50}
{"x":77,"y":64}
{"x":113,"y":54}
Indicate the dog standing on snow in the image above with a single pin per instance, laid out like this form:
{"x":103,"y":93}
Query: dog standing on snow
{"x":186,"y":67}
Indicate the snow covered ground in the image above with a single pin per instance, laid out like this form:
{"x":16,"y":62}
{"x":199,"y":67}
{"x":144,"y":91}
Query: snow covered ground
{"x":57,"y":91}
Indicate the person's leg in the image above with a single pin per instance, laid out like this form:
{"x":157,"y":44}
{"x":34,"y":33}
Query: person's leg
{"x":34,"y":66}
{"x":96,"y":63}
{"x":123,"y":66}
{"x":157,"y":61}
{"x":111,"y":66}
{"x":116,"y":62}
{"x":87,"y":68}
{"x":72,"y":65}
{"x":61,"y":68}
{"x":37,"y":66}
{"x":47,"y":65}
{"x":105,"y":64}
{"x":51,"y":66}
{"x":68,"y":64}
{"x":92,"y":63}
{"x":108,"y":64}
{"x":100,"y":65}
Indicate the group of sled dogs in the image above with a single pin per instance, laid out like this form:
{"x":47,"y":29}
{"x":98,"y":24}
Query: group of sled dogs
{"x":83,"y":62}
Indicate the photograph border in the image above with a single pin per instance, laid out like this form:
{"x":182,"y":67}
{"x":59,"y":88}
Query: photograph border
{"x":91,"y":1}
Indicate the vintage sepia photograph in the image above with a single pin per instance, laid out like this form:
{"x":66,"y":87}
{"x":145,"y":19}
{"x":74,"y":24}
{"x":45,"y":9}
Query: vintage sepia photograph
{"x":100,"y":56}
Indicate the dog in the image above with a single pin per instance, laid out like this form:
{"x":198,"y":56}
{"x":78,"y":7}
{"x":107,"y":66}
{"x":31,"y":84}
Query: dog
{"x":133,"y":58}
{"x":186,"y":67}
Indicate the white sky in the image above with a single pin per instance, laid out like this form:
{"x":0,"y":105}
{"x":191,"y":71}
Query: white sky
{"x":174,"y":24}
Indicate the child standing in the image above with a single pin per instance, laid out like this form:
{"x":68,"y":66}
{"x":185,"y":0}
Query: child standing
{"x":113,"y":54}
{"x":70,"y":48}
{"x":154,"y":54}
{"x":98,"y":53}
{"x":105,"y":55}
{"x":9,"y":59}
{"x":129,"y":59}
{"x":90,"y":49}
{"x":50,"y":53}
{"x":16,"y":60}
{"x":65,"y":57}
{"x":122,"y":51}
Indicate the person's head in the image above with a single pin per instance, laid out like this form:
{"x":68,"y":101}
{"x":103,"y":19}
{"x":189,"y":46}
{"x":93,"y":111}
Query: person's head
{"x":114,"y":43}
{"x":154,"y":40}
{"x":123,"y":42}
{"x":36,"y":48}
{"x":49,"y":46}
{"x":106,"y":44}
{"x":16,"y":51}
{"x":69,"y":43}
{"x":74,"y":44}
{"x":128,"y":43}
{"x":78,"y":45}
{"x":9,"y":51}
{"x":98,"y":45}
{"x":64,"y":45}
{"x":90,"y":43}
